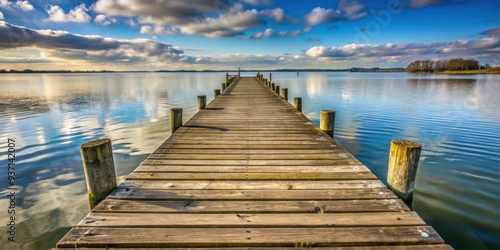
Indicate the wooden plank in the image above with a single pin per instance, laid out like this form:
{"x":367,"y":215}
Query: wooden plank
{"x":161,"y":194}
{"x":244,"y":156}
{"x":288,"y":206}
{"x":269,"y":163}
{"x":248,"y":237}
{"x":356,"y":175}
{"x":147,"y":167}
{"x":407,"y":247}
{"x":142,"y":220}
{"x":253,"y":185}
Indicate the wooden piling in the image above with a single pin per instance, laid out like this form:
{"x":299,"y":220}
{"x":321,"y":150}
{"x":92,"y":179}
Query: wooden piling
{"x":227,"y":76}
{"x":270,"y":76}
{"x":99,"y":169}
{"x":297,"y":103}
{"x":327,"y":121}
{"x":273,"y":86}
{"x":202,"y":102}
{"x":402,"y":167}
{"x":175,"y":119}
{"x":277,"y":89}
{"x":284,"y":93}
{"x":216,"y":92}
{"x":223,"y":86}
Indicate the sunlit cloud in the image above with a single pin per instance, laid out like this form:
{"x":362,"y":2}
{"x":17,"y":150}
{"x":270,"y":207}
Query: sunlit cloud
{"x":78,"y":14}
{"x":23,"y":5}
{"x":104,"y":19}
{"x":347,"y":10}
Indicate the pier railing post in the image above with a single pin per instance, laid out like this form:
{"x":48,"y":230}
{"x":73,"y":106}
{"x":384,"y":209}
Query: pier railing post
{"x":216,"y":92}
{"x":223,"y":86}
{"x":270,"y":76}
{"x":273,"y":86}
{"x":402,"y":167}
{"x":277,"y":89}
{"x":202,"y":102}
{"x":284,"y":93}
{"x":327,"y":121}
{"x":175,"y":119}
{"x":99,"y":169}
{"x":297,"y":103}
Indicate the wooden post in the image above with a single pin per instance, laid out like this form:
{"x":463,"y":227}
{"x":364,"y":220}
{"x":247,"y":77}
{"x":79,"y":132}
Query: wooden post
{"x":277,"y":89}
{"x":270,"y":77}
{"x":238,"y":71}
{"x":273,"y":86}
{"x":327,"y":121}
{"x":227,"y":76}
{"x":223,"y":86}
{"x":175,"y":119}
{"x":284,"y":93}
{"x":216,"y":92}
{"x":297,"y":103}
{"x":202,"y":101}
{"x":402,"y":167}
{"x":99,"y":168}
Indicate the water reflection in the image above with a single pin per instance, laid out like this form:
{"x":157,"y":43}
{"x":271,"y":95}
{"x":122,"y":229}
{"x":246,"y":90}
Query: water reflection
{"x":51,"y":115}
{"x":453,"y":117}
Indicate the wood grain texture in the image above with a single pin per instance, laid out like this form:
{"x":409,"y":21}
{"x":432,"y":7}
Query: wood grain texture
{"x":250,"y":171}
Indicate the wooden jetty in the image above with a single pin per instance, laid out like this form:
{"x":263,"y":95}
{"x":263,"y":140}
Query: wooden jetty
{"x":249,"y":171}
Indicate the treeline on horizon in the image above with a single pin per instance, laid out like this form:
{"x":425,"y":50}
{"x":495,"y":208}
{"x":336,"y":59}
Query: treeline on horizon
{"x":456,"y":64}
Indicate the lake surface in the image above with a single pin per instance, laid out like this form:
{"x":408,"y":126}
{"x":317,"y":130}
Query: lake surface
{"x":455,"y":118}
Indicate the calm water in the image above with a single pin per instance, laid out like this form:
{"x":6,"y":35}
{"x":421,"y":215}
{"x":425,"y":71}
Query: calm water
{"x":455,"y":118}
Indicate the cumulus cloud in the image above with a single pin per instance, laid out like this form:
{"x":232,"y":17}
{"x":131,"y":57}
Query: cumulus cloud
{"x":351,"y":10}
{"x":272,"y":33}
{"x":104,"y":19}
{"x":495,"y":32}
{"x":258,"y":2}
{"x":485,"y":46}
{"x":64,"y":45}
{"x":1,"y":16}
{"x":158,"y":30}
{"x":216,"y":18}
{"x":78,"y":14}
{"x":23,"y":5}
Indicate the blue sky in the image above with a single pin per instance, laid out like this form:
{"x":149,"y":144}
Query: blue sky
{"x":251,"y":34}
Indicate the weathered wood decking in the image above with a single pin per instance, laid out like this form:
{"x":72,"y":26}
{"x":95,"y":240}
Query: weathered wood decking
{"x":251,"y":171}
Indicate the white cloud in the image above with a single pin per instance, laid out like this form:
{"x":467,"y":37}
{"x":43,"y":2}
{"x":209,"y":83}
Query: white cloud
{"x":78,"y":14}
{"x":416,"y":4}
{"x":24,"y":5}
{"x":104,"y":19}
{"x":271,"y":33}
{"x":1,"y":16}
{"x":486,"y":47}
{"x":351,"y":10}
{"x":258,"y":2}
{"x":215,"y":18}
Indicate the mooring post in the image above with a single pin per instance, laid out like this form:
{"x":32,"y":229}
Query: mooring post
{"x":270,"y":77}
{"x":327,"y":121}
{"x":277,"y":89}
{"x":175,"y":119}
{"x":202,"y":101}
{"x":227,"y":76}
{"x":238,"y":71}
{"x":297,"y":103}
{"x":273,"y":86}
{"x":284,"y":93}
{"x":402,"y":168}
{"x":216,"y":92}
{"x":223,"y":86}
{"x":99,"y":169}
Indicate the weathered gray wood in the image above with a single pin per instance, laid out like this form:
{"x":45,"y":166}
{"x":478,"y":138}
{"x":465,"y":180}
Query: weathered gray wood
{"x":284,"y":93}
{"x":175,"y":119}
{"x":249,"y":237}
{"x":216,"y":92}
{"x":99,"y":169}
{"x":267,"y":195}
{"x":402,"y":167}
{"x":327,"y":121}
{"x":287,"y":206}
{"x":251,"y":171}
{"x":223,"y":86}
{"x":202,"y":102}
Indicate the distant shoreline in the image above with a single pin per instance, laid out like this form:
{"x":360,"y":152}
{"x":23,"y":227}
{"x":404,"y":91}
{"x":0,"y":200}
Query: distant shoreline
{"x":495,"y":70}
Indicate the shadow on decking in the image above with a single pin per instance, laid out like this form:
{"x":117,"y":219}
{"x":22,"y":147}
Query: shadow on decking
{"x":207,"y":127}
